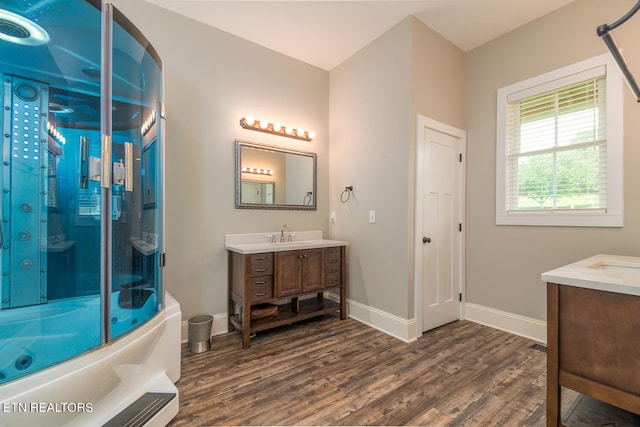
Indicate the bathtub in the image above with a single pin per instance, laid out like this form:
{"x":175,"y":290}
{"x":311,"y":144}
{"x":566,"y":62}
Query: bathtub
{"x":90,"y":389}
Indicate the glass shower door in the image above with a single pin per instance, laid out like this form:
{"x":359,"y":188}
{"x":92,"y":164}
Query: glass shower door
{"x":50,"y":251}
{"x":136,"y":221}
{"x":81,"y":216}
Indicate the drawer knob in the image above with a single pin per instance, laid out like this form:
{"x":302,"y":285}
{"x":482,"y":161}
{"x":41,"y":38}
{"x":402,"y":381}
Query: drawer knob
{"x":261,"y":294}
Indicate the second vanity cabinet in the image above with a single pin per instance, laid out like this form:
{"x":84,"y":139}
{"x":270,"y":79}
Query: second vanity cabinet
{"x":295,"y":280}
{"x":592,"y":332}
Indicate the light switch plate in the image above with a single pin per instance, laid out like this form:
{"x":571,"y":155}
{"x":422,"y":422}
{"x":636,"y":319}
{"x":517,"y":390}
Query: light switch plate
{"x":372,"y":217}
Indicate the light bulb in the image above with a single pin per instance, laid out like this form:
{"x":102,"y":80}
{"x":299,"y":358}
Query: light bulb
{"x":277,"y":127}
{"x":249,"y":121}
{"x":311,"y":134}
{"x":300,"y":132}
{"x":244,"y":169}
{"x":288,"y":130}
{"x":264,"y":124}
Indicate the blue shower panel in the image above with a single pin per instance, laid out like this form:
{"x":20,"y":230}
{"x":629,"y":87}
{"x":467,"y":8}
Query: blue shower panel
{"x":24,"y":216}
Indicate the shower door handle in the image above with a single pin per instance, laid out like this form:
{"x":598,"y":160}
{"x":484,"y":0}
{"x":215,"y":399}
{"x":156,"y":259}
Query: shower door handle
{"x":128,"y":165}
{"x":105,"y":148}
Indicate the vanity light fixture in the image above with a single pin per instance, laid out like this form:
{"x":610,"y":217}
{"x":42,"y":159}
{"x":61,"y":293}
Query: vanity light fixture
{"x":276,"y":129}
{"x":148,"y":124}
{"x":257,"y":171}
{"x":55,"y":133}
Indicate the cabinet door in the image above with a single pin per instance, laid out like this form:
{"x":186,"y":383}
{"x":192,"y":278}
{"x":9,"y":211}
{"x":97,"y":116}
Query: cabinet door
{"x":312,"y":270}
{"x":288,"y":273}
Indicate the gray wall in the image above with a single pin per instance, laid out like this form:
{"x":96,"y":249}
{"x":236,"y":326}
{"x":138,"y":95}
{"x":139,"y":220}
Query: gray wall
{"x":504,"y":263}
{"x":212,"y":79}
{"x":375,"y":96}
{"x":367,"y":107}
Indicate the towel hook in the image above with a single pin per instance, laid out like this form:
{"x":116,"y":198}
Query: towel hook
{"x":347,"y":191}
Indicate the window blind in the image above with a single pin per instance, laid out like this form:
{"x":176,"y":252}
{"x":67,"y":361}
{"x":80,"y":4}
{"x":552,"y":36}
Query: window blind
{"x":556,"y":149}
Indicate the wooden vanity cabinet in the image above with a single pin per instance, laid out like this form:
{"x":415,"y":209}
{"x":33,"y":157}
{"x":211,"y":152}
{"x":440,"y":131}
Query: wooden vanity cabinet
{"x":299,"y":271}
{"x":282,"y":278}
{"x":592,"y":339}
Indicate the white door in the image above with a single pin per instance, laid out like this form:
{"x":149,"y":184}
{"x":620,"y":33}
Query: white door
{"x":439,"y":226}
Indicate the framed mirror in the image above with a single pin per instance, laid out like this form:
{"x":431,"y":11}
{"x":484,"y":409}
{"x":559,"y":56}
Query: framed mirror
{"x":270,"y":177}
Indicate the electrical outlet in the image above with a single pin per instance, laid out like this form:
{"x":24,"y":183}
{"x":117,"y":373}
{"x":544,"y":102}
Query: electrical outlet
{"x":332,"y":217}
{"x":372,"y":217}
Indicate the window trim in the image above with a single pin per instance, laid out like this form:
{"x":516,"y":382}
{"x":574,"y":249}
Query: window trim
{"x":613,"y":216}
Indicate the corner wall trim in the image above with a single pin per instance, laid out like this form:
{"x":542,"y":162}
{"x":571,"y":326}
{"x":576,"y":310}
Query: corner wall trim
{"x":526,"y":327}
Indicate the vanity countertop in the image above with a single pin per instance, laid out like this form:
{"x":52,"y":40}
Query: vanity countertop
{"x":256,"y":248}
{"x":255,"y":243}
{"x":611,"y":273}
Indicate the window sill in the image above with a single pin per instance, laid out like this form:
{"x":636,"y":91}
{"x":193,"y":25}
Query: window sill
{"x":562,"y":219}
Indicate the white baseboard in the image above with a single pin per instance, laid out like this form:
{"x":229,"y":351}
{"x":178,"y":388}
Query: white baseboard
{"x":390,"y":324}
{"x":406,"y":330}
{"x":513,"y":323}
{"x":220,"y":326}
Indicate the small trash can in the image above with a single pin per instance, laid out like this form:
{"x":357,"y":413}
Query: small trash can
{"x":200,"y":333}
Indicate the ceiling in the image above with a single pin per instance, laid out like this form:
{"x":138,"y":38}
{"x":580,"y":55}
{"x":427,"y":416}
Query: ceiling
{"x":325,"y":33}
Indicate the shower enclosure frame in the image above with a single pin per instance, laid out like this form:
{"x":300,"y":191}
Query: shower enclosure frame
{"x":101,"y":375}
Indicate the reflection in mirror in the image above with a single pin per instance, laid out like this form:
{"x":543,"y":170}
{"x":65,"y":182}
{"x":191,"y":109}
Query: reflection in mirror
{"x":258,"y":192}
{"x":260,"y":169}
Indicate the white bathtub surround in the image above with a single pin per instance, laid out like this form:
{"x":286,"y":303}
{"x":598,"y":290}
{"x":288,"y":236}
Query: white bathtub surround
{"x":106,"y":380}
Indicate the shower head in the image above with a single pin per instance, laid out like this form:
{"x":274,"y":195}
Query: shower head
{"x":17,"y":29}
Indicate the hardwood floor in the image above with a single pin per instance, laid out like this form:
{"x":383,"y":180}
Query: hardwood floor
{"x":332,"y":372}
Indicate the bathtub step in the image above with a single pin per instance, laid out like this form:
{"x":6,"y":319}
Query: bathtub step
{"x":141,"y":411}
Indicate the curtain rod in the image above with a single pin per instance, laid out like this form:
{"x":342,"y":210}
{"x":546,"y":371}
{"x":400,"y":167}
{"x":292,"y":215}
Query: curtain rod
{"x":603,"y":32}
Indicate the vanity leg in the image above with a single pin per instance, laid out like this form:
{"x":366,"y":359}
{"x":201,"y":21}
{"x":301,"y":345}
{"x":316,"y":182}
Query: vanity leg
{"x":246,"y":328}
{"x":232,"y":312}
{"x":295,"y":305}
{"x":343,"y":285}
{"x":232,"y":304}
{"x":553,"y":383}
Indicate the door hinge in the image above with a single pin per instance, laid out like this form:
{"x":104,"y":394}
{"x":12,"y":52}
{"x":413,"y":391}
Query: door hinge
{"x":460,"y":227}
{"x":163,"y":259}
{"x":460,"y":157}
{"x":460,"y":296}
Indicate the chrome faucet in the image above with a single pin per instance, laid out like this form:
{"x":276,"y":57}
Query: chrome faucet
{"x":282,"y":233}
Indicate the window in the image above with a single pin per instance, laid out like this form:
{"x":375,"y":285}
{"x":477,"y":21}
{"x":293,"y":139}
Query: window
{"x":559,"y":148}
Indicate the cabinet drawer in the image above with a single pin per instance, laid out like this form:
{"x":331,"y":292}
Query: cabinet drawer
{"x":261,"y":288}
{"x":261,"y":264}
{"x":333,"y":267}
{"x":334,"y":251}
{"x":333,"y":261}
{"x":332,"y":280}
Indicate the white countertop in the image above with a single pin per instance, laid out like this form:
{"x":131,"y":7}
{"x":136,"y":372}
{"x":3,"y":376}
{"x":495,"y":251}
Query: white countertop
{"x":253,"y":243}
{"x":612,"y":273}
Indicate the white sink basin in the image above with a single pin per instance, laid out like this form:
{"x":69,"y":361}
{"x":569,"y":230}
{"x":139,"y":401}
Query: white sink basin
{"x":615,"y":267}
{"x":144,"y":247}
{"x":611,"y":273}
{"x":252,"y":243}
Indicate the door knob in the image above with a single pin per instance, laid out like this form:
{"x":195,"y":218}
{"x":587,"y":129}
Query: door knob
{"x":426,"y":240}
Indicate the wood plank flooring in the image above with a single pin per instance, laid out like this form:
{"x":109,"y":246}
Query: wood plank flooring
{"x":331,"y":372}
